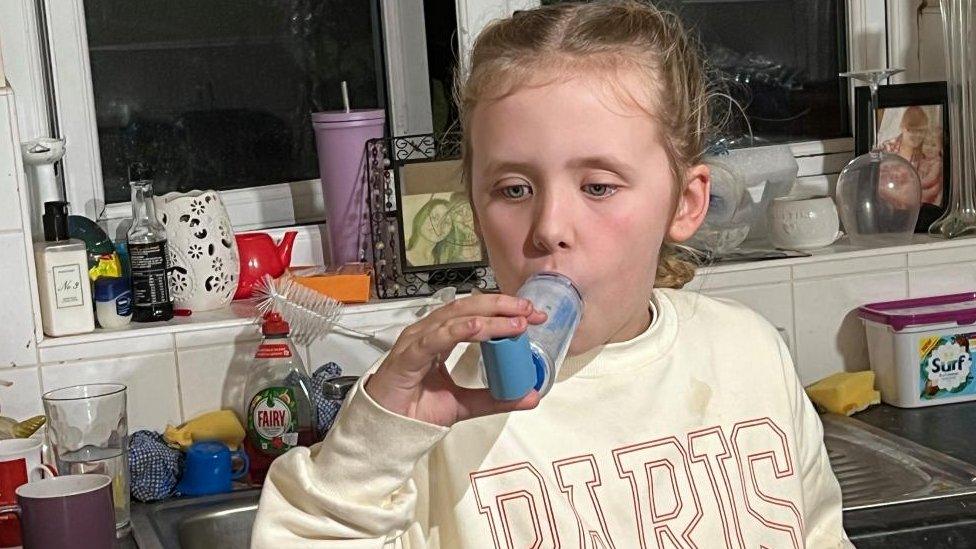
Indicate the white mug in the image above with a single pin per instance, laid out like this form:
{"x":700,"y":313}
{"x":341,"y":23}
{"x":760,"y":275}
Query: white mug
{"x":28,"y":449}
{"x":803,"y":223}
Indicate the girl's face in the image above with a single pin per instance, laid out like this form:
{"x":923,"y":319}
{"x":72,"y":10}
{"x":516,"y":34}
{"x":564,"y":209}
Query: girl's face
{"x":437,"y":223}
{"x":932,"y":147}
{"x":567,"y":177}
{"x":915,"y":135}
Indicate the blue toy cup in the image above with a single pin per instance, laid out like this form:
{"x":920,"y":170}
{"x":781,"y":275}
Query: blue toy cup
{"x":208,"y":469}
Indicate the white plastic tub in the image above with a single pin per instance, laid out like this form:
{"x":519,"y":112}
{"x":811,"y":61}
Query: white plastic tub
{"x":920,"y":349}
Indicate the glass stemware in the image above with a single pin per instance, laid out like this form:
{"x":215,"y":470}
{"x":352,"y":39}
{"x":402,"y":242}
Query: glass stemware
{"x":960,"y":33}
{"x":878,"y":193}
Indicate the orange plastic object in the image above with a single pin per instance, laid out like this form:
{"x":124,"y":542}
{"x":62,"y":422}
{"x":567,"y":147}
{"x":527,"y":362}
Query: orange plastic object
{"x":348,"y":284}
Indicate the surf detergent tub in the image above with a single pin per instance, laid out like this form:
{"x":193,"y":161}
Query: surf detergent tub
{"x":920,"y":349}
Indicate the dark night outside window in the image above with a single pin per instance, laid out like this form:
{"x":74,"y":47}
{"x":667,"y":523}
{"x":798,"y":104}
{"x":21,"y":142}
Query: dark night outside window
{"x":217,"y":93}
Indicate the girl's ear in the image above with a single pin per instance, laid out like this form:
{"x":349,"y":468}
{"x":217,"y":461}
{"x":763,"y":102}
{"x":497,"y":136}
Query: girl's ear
{"x":692,"y":204}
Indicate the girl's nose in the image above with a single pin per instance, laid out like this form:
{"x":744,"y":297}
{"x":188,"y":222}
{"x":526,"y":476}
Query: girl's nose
{"x":552,"y":228}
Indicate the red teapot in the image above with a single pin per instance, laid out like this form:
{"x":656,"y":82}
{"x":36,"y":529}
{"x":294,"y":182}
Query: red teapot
{"x":260,"y":256}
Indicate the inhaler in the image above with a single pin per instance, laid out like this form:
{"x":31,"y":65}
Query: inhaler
{"x":513,"y":366}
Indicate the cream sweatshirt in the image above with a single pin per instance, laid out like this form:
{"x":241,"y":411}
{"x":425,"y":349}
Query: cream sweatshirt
{"x":696,"y":433}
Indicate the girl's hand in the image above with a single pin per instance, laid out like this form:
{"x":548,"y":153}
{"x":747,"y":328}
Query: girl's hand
{"x":414,"y":382}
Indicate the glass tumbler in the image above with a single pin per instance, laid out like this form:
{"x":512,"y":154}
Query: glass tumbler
{"x":88,"y":433}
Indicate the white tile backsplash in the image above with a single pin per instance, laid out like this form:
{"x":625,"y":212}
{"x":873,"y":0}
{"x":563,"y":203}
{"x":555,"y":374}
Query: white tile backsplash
{"x":706,"y":280}
{"x":153,"y":395}
{"x":942,"y":279}
{"x":179,"y":375}
{"x":125,"y":344}
{"x":213,"y":377}
{"x":17,"y":338}
{"x":840,"y":267}
{"x":353,"y":355}
{"x":219,"y":336}
{"x":773,"y":301}
{"x":944,"y":256}
{"x":829,"y":335}
{"x":22,"y":399}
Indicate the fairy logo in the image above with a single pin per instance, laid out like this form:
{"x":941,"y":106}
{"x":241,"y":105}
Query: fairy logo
{"x":271,"y":419}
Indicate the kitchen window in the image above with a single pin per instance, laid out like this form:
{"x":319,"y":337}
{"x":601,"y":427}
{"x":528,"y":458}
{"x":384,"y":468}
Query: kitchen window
{"x":779,"y":59}
{"x":227,"y":100}
{"x":217,"y":93}
{"x":223,"y":101}
{"x":119,"y":78}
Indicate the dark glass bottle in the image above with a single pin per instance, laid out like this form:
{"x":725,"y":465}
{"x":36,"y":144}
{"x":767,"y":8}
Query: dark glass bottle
{"x":148,"y":252}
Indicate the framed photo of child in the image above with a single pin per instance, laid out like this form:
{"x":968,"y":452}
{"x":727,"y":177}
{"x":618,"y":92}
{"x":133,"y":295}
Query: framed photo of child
{"x":912,"y":121}
{"x":436,"y":219}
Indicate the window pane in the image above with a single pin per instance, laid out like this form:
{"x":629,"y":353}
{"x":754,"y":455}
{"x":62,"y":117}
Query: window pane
{"x":779,"y":59}
{"x":440,"y":23}
{"x":217,"y":93}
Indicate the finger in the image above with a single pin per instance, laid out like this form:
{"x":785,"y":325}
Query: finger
{"x":537,"y":317}
{"x":483,"y":305}
{"x":441,"y":341}
{"x":417,"y":354}
{"x":479,"y":402}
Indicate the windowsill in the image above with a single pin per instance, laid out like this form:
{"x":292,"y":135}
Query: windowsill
{"x":238,"y":313}
{"x":842,"y":249}
{"x":242,"y":313}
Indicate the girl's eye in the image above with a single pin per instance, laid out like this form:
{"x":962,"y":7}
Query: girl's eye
{"x":516,"y":192}
{"x":599,"y":190}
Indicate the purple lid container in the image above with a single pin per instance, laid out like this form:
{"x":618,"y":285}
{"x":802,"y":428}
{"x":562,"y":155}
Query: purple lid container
{"x":958,"y":308}
{"x":343,"y":116}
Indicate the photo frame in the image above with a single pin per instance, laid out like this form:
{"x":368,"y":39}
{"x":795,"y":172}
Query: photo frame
{"x":912,"y":120}
{"x":421,"y":228}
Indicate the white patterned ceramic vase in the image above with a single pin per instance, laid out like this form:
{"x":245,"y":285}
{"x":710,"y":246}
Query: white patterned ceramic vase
{"x":204,"y":263}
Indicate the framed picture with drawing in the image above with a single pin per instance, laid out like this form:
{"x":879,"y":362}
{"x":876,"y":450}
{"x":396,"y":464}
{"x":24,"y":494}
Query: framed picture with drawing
{"x":421,"y":226}
{"x":436,"y":220}
{"x":913,"y":122}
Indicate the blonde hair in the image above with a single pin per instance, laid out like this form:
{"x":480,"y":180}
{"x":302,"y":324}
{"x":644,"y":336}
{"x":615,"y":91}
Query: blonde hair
{"x":608,"y":36}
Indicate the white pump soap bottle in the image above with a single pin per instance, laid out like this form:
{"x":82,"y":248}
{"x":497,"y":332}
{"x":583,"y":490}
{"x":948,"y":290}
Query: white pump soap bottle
{"x":62,"y":276}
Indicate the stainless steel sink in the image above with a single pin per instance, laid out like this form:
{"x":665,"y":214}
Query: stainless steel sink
{"x":875,"y":467}
{"x":210,"y":522}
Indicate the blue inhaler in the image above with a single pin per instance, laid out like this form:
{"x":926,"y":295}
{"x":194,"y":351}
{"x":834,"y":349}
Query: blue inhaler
{"x":514,"y":366}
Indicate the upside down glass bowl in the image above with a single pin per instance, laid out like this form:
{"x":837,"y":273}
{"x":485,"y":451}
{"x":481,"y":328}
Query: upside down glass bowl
{"x":878,"y":197}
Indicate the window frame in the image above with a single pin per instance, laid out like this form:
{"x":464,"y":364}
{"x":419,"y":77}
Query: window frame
{"x":404,"y":52}
{"x":272,"y":205}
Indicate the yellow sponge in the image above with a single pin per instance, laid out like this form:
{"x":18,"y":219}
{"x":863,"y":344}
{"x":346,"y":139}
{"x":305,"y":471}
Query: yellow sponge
{"x":845,"y":393}
{"x":221,"y":425}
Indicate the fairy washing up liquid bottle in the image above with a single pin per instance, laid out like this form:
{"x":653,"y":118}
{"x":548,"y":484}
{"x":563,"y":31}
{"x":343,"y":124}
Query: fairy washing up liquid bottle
{"x":278,"y":412}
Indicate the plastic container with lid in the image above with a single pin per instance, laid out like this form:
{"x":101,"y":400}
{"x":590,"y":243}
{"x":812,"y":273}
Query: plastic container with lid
{"x":921,"y":349}
{"x":113,"y":302}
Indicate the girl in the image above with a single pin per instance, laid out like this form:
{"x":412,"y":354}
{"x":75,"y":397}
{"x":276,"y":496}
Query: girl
{"x":676,"y":421}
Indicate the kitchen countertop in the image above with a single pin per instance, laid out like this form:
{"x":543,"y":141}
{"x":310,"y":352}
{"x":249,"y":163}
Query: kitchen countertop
{"x":945,"y":522}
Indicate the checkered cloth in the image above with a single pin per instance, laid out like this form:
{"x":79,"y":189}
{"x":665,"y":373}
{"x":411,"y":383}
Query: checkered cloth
{"x":326,"y":409}
{"x":154,"y":467}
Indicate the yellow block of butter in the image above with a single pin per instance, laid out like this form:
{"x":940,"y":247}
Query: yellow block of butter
{"x":845,"y":393}
{"x":221,"y":425}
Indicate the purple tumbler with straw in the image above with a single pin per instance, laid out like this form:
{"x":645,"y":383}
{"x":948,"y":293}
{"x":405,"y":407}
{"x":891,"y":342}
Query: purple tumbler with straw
{"x":340,"y":138}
